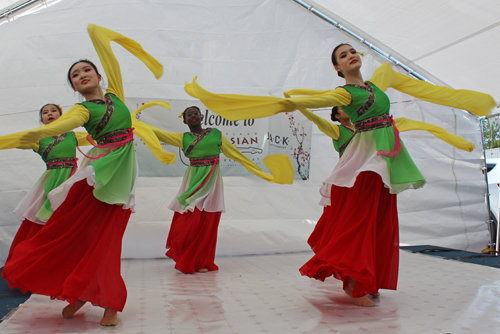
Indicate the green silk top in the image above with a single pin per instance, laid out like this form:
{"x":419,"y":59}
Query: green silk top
{"x":65,"y":148}
{"x":369,"y":101}
{"x":345,"y":134}
{"x":209,"y":146}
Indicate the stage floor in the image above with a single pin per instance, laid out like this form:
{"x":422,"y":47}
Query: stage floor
{"x":266,"y":294}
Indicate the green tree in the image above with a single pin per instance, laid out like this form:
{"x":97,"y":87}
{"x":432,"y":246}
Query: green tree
{"x":491,"y":133}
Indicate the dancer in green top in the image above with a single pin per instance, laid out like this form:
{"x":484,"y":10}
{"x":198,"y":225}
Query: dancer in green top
{"x":76,"y":256}
{"x":59,"y":155}
{"x":342,"y":134}
{"x":192,"y":239}
{"x":346,"y":128}
{"x":358,"y":242}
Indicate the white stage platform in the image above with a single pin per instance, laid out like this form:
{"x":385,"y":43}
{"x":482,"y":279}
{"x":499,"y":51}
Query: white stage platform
{"x":266,"y":294}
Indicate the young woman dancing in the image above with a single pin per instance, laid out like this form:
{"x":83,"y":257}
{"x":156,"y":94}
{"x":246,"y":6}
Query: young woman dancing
{"x":342,"y":133}
{"x":199,"y":203}
{"x":76,"y":256}
{"x":359,"y":242}
{"x":345,"y":128}
{"x":59,"y":155}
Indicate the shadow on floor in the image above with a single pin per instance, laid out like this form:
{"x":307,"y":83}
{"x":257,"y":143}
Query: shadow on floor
{"x":9,"y":299}
{"x":456,"y":254}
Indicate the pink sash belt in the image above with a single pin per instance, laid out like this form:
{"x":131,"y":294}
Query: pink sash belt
{"x":111,"y":141}
{"x":382,"y":121}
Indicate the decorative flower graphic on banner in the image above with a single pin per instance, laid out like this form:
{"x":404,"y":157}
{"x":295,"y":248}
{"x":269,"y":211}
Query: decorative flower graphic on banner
{"x":300,"y":155}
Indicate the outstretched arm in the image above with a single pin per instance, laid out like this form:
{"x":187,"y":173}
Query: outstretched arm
{"x":329,"y":129}
{"x":235,"y":107}
{"x":32,"y":146}
{"x":150,"y":138}
{"x":76,"y":116}
{"x":169,"y":138}
{"x":101,"y":38}
{"x":279,"y":164}
{"x":479,"y":104}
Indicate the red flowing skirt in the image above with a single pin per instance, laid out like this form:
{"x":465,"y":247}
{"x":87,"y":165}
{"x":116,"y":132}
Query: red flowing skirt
{"x":76,"y":255}
{"x":192,"y":240}
{"x":357,"y":236}
{"x":27,"y":230}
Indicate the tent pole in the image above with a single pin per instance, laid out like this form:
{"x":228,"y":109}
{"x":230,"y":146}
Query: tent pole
{"x":16,"y":7}
{"x":361,"y":40}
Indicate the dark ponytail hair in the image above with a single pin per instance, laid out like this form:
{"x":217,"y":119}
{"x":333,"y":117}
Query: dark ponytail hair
{"x":335,"y":112}
{"x":334,"y":58}
{"x":81,"y":61}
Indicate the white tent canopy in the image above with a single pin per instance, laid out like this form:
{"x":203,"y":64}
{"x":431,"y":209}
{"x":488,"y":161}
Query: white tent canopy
{"x":261,"y":47}
{"x":454,"y":41}
{"x":449,"y":41}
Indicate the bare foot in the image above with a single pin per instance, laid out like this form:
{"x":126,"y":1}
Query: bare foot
{"x":202,"y":270}
{"x":376,"y":294}
{"x":69,"y":311}
{"x":110,"y":317}
{"x":361,"y":301}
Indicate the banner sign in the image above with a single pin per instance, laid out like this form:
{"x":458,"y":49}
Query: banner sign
{"x":287,"y":133}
